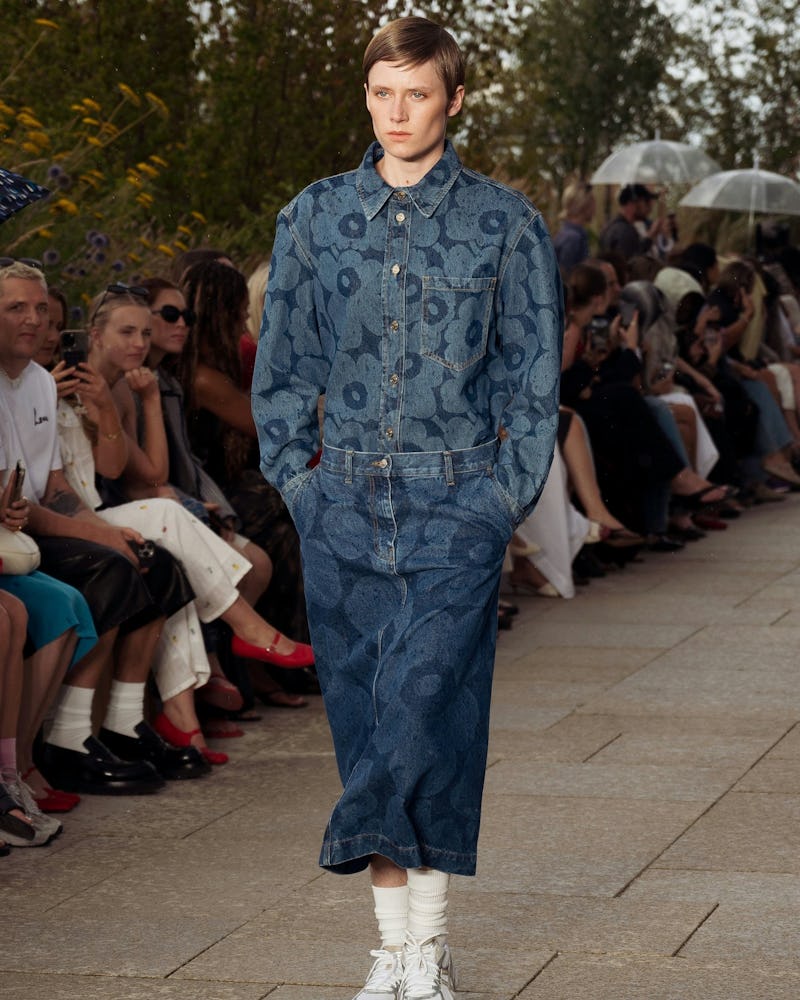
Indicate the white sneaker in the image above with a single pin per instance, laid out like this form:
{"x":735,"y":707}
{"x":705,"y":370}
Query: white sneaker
{"x":385,"y":976}
{"x":429,"y":972}
{"x":46,"y":827}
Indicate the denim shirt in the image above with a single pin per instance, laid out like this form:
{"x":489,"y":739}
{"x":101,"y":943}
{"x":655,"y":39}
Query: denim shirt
{"x":430,"y":316}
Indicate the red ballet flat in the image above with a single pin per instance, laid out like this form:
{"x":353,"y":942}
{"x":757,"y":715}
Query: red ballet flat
{"x":301,"y":656}
{"x":168,"y":731}
{"x":55,"y":801}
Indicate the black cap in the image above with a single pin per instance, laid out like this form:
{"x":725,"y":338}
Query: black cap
{"x":633,"y":192}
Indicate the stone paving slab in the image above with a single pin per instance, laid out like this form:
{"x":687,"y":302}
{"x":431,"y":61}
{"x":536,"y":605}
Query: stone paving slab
{"x":572,"y":977}
{"x":35,"y":986}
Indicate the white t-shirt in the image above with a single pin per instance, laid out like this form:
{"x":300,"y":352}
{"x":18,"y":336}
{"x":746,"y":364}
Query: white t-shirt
{"x":31,"y":431}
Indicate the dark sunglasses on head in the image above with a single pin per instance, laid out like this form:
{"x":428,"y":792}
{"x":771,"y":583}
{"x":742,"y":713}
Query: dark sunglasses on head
{"x":120,"y":288}
{"x":30,"y":261}
{"x":171,"y":314}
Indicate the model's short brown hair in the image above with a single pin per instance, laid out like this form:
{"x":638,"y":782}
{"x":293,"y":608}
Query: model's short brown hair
{"x":411,"y":41}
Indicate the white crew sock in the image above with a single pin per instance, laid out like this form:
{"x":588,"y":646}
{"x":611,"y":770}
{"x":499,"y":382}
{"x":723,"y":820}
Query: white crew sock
{"x":72,"y":723}
{"x":391,"y":912}
{"x":125,"y":708}
{"x":427,"y":903}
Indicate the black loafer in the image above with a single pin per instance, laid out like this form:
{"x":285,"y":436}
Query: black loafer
{"x":98,"y":771}
{"x":171,"y":762}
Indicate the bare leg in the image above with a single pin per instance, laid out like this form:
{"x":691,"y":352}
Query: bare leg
{"x":13,"y":620}
{"x":250,"y":626}
{"x":135,"y":652}
{"x":44,"y":673}
{"x":578,"y":458}
{"x":257,"y":580}
{"x":88,"y":671}
{"x":180,"y":710}
{"x":385,"y":873}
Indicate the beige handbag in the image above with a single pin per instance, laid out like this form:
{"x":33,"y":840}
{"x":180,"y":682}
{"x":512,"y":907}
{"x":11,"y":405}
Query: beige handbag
{"x":19,"y":554}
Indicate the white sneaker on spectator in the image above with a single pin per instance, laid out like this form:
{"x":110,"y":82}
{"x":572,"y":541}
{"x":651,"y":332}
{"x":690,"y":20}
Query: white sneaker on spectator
{"x":46,"y":827}
{"x":385,"y":976}
{"x":429,"y":972}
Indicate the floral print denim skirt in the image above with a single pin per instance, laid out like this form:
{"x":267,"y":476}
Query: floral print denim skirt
{"x":402,"y":556}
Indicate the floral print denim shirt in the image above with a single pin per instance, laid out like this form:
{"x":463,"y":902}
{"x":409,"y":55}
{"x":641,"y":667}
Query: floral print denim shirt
{"x":430,"y":316}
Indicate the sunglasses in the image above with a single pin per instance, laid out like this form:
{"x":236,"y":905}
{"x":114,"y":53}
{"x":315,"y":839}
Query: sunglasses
{"x":120,"y":288}
{"x":171,"y":314}
{"x":30,"y":261}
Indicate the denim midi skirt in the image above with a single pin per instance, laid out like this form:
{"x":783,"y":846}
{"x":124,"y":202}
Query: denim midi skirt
{"x":402,"y":556}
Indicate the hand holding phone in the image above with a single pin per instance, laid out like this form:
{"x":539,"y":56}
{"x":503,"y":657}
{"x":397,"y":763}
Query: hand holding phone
{"x":19,"y":482}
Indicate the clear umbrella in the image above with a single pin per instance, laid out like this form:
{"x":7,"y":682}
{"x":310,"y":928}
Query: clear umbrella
{"x":655,"y":162}
{"x":16,"y":192}
{"x":752,"y":191}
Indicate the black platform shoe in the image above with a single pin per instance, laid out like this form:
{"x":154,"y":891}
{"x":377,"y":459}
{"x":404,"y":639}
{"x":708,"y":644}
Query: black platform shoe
{"x":171,"y":762}
{"x":96,"y":772}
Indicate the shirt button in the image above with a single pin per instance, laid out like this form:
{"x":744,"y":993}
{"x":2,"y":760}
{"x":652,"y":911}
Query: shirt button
{"x":401,"y":195}
{"x":395,"y":268}
{"x":400,"y":217}
{"x":382,"y":464}
{"x":395,"y":325}
{"x":394,"y":379}
{"x":389,"y":433}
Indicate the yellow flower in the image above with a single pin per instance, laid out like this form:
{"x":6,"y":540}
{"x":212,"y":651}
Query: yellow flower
{"x":66,"y":205}
{"x":42,"y":138}
{"x":97,"y":173}
{"x":134,"y":258}
{"x":167,"y":251}
{"x":129,"y":95}
{"x":91,"y":181}
{"x":185,"y":230}
{"x":46,"y":23}
{"x":147,"y":169}
{"x":30,"y":147}
{"x":28,"y":120}
{"x":6,"y":109}
{"x":90,"y":121}
{"x":134,"y":179}
{"x":181,"y":245}
{"x":46,"y":234}
{"x":94,"y":141}
{"x":92,"y":105}
{"x":109,"y":128}
{"x":199,"y":216}
{"x":145,"y":242}
{"x":157,"y":159}
{"x":77,"y":107}
{"x":144,"y":198}
{"x":157,"y":104}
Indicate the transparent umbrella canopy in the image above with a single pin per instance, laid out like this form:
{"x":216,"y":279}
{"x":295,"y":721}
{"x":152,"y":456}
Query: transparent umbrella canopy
{"x":753,"y":191}
{"x":16,"y":192}
{"x":657,"y":161}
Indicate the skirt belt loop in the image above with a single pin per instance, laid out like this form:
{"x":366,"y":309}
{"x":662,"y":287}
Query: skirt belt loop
{"x":448,"y":469}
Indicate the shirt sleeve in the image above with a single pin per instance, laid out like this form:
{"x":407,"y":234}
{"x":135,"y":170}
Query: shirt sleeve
{"x":291,"y":370}
{"x":530,"y":325}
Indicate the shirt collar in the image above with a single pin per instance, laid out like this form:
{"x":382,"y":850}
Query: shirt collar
{"x":374,"y":192}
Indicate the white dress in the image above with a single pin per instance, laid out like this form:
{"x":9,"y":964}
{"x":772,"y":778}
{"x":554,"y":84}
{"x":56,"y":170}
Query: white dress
{"x":212,"y":567}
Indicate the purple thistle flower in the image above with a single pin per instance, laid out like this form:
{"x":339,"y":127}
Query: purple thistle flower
{"x":118,"y":265}
{"x":99,"y":257}
{"x":51,"y":257}
{"x":76,"y":313}
{"x":64,"y":181}
{"x":100,"y":240}
{"x":54,"y":171}
{"x":91,"y":235}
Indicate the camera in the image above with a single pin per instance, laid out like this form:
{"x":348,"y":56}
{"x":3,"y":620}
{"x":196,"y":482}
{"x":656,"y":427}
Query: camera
{"x":74,"y":347}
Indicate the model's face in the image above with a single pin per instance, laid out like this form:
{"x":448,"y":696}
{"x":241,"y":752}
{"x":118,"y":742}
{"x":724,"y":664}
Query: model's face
{"x":409,"y":109}
{"x":169,"y":336}
{"x":55,"y":324}
{"x":23,"y":321}
{"x":613,"y":287}
{"x":122,"y":344}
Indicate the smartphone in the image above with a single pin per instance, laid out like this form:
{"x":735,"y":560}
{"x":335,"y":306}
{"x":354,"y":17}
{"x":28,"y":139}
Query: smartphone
{"x":74,"y":347}
{"x":19,"y":480}
{"x":626,"y":311}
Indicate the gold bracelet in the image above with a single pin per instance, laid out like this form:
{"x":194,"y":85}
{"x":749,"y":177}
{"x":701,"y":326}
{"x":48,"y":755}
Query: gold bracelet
{"x":112,"y":437}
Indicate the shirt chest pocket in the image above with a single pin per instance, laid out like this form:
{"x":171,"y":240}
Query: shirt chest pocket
{"x":455,"y":319}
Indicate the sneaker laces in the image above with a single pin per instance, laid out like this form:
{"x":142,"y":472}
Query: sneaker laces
{"x":423,"y":977}
{"x":386,"y":973}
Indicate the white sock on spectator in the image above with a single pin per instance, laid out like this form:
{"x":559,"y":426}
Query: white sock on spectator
{"x":391,"y":912}
{"x":8,"y":753}
{"x":125,"y":707}
{"x":73,"y":718}
{"x":427,"y":903}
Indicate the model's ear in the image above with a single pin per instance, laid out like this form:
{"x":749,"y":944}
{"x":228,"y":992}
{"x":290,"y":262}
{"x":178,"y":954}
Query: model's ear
{"x":455,"y":102}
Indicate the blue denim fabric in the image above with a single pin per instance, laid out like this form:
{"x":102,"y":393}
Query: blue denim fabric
{"x":402,"y":556}
{"x":430,"y":316}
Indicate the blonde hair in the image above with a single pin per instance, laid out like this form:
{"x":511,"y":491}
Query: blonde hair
{"x":256,"y":290}
{"x":575,"y":198}
{"x":23,"y":271}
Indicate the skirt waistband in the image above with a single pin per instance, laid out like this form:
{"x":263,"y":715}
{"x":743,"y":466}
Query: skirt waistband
{"x":349,"y":463}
